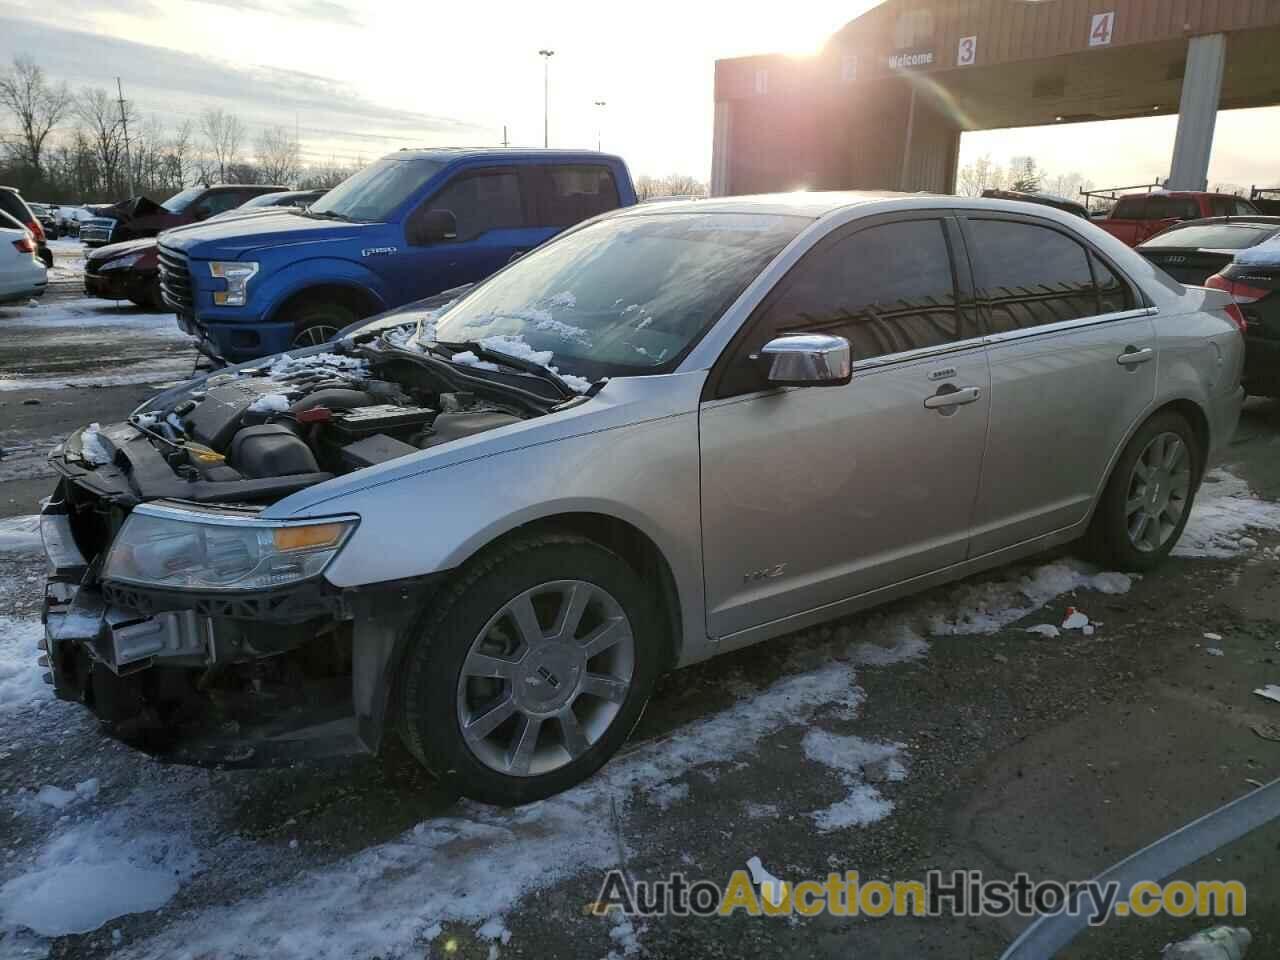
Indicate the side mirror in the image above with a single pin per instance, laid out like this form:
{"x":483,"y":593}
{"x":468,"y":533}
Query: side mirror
{"x":432,"y":227}
{"x":808,"y":360}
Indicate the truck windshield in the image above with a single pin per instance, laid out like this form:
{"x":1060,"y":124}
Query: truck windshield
{"x":376,"y":191}
{"x":180,"y":201}
{"x":628,"y":295}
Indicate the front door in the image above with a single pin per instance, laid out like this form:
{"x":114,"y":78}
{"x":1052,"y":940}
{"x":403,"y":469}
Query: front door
{"x":1073,"y":367}
{"x":814,"y":495}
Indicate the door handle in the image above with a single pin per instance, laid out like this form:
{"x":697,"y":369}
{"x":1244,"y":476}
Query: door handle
{"x":1133,"y":356}
{"x":954,"y":397}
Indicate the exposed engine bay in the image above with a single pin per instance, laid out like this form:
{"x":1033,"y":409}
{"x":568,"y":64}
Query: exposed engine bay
{"x":257,"y":433}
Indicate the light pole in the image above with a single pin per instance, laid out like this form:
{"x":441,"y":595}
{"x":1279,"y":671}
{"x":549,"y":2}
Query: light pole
{"x":600,"y":104}
{"x":546,"y":73}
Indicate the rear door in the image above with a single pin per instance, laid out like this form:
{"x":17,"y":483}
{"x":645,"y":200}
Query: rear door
{"x":493,"y":210}
{"x":1073,"y":365}
{"x":813,"y":495}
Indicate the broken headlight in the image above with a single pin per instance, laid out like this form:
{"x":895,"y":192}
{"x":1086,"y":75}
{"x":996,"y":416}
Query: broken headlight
{"x":161,"y":546}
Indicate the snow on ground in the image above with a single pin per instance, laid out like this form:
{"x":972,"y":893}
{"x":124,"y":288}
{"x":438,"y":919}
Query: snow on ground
{"x":68,"y":260}
{"x":22,"y":689}
{"x":26,"y":460}
{"x":88,"y":312}
{"x":1225,"y":510}
{"x":20,"y":537}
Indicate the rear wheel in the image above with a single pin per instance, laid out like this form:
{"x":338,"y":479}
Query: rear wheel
{"x":531,"y":670}
{"x":1148,"y":499}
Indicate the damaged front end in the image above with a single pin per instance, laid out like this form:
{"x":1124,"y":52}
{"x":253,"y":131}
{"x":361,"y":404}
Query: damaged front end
{"x":195,"y":626}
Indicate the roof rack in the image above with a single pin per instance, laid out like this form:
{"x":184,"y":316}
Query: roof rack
{"x":1113,"y":194}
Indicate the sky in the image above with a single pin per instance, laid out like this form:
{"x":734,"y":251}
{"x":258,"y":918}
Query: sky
{"x":361,"y":79}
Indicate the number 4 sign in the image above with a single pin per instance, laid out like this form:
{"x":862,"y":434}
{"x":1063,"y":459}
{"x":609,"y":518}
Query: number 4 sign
{"x":967,"y":53}
{"x":1101,"y":28}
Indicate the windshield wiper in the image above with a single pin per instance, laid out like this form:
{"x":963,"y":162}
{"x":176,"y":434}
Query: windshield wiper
{"x":331,"y":215}
{"x":523,"y":364}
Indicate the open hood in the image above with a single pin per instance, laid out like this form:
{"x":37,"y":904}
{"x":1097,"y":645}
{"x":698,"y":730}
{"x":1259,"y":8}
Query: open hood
{"x":127,"y":210}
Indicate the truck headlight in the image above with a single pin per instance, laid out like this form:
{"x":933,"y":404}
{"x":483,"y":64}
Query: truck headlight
{"x":121,"y":262}
{"x":161,"y":546}
{"x":237,"y":274}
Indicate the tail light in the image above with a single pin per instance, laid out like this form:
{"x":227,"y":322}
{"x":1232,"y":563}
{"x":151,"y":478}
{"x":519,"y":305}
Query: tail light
{"x":25,"y":245}
{"x":1233,"y":311}
{"x":37,"y":231}
{"x":1240,"y":292}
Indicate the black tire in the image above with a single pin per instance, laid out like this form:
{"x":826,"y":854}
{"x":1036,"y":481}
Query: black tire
{"x":430,"y":673}
{"x":1108,"y":539}
{"x":46,"y":257}
{"x":317,"y":321}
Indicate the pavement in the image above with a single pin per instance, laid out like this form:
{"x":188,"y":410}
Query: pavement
{"x":935,"y":733}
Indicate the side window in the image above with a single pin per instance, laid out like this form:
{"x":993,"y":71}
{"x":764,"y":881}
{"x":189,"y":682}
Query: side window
{"x":1243,"y":209}
{"x":220,"y":201}
{"x":1171,"y":208}
{"x":1029,"y":275}
{"x":1114,"y":294}
{"x":1221,"y":206}
{"x":482,"y":201}
{"x":1130,"y":208}
{"x":886,"y":289}
{"x":572,"y":194}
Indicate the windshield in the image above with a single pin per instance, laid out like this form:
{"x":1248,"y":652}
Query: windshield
{"x":1213,"y":237}
{"x":377,"y":190}
{"x":623,"y":296}
{"x":180,"y":201}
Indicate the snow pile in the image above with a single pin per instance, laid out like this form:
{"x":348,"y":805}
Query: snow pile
{"x":287,"y":367}
{"x":20,"y":537}
{"x":21,"y":682}
{"x":1045,"y":630}
{"x":270,"y":403}
{"x":60,"y":799}
{"x":1224,"y":509}
{"x":468,"y":358}
{"x":991,"y":606}
{"x":565,"y":331}
{"x":565,"y":298}
{"x":92,"y":447}
{"x":93,"y":871}
{"x":516,"y":347}
{"x":852,"y":758}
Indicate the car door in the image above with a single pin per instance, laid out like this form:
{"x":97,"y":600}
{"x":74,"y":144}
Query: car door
{"x":813,"y":495}
{"x":1073,"y":365}
{"x":493,"y":211}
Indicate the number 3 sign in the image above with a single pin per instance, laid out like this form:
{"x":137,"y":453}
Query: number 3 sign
{"x":1101,"y":28}
{"x":967,"y":53}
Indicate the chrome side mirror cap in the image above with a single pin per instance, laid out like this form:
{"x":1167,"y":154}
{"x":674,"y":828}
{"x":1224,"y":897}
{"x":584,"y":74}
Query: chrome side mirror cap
{"x":808,"y":360}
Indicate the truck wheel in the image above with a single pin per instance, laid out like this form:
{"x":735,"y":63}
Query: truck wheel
{"x":1147,"y":501}
{"x":318,"y":322}
{"x":530,"y":670}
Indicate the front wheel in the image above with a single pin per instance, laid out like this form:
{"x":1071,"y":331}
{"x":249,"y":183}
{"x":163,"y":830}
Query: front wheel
{"x":1148,"y":499}
{"x":531,"y":669}
{"x":317,"y":322}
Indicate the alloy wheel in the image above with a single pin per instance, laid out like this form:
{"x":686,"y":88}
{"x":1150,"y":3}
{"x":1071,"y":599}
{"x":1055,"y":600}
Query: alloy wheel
{"x":544,"y":679}
{"x":315,"y":335}
{"x":1159,"y":492}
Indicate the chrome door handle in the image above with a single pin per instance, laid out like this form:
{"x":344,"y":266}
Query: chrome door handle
{"x":1132,"y":355}
{"x":953,"y":398}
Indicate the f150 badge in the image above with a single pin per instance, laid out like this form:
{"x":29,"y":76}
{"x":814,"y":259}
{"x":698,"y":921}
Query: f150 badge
{"x":377,"y":251}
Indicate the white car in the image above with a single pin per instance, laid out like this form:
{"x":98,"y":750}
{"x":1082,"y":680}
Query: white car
{"x":22,"y":275}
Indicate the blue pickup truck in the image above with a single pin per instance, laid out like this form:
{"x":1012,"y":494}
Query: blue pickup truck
{"x":407,"y":226}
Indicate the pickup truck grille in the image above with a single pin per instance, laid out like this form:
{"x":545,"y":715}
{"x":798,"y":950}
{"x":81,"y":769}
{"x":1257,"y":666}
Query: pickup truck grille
{"x":97,"y":230}
{"x":175,"y":280}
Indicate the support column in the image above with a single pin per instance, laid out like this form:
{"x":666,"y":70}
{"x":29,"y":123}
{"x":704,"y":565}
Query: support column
{"x":720,"y":141}
{"x":1198,"y":112}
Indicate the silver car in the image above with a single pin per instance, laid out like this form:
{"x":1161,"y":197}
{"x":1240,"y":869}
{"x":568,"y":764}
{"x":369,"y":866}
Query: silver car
{"x":671,"y":432}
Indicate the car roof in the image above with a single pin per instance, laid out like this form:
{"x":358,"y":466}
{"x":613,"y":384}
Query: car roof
{"x":448,"y":154}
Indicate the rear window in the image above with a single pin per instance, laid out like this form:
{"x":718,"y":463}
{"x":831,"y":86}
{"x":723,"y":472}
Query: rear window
{"x":1171,"y":208}
{"x":1222,"y":236}
{"x":1131,"y":208}
{"x":572,"y":194}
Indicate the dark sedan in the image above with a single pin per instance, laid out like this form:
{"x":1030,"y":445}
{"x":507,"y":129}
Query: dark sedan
{"x":1240,"y":255}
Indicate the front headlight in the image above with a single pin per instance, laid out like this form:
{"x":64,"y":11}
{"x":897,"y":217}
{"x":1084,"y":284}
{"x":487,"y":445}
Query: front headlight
{"x":121,"y":263}
{"x":237,"y":274}
{"x":162,"y":546}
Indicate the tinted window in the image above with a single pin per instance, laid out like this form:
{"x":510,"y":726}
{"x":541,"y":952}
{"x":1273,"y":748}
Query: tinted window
{"x":572,"y":194}
{"x":1171,"y":208}
{"x":1114,"y":294}
{"x":1029,"y":275}
{"x":1131,"y":208}
{"x":1221,"y":236}
{"x":222,"y":201}
{"x":481,"y":202}
{"x":1243,"y":208}
{"x":886,"y":289}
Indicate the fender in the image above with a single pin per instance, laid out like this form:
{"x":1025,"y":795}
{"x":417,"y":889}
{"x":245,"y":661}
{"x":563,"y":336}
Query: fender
{"x":280,"y":285}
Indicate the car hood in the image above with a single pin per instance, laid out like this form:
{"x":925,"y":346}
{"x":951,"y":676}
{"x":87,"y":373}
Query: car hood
{"x":126,"y":210}
{"x":113,"y":250}
{"x":231,"y":239}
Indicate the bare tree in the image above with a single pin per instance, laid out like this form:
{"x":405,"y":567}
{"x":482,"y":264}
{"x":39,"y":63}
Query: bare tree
{"x":179,"y":160}
{"x":223,"y":133}
{"x":35,"y":105}
{"x":980,"y":175}
{"x":99,"y":112}
{"x":279,"y":157}
{"x":672,"y":185}
{"x":325,"y":176}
